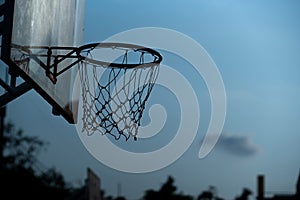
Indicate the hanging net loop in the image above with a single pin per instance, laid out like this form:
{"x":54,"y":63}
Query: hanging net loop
{"x":116,"y":81}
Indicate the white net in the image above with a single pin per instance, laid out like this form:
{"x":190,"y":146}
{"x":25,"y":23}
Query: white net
{"x":114,"y":98}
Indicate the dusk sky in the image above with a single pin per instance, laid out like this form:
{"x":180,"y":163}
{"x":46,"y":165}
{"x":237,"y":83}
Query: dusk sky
{"x":256,"y":47}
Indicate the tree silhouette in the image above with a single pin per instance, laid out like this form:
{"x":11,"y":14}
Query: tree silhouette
{"x":205,"y":195}
{"x":244,"y":196}
{"x":167,"y":191}
{"x":168,"y":188}
{"x":19,"y":150}
{"x":19,"y":177}
{"x":210,"y":194}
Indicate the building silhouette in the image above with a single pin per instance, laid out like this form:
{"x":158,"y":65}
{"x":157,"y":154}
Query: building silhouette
{"x":261,"y":191}
{"x":91,"y":189}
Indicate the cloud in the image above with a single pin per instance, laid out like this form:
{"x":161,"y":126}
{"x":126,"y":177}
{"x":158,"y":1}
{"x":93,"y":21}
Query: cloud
{"x":238,"y":145}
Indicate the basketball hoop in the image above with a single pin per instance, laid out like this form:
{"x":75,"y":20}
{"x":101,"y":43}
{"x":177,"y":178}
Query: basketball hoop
{"x":111,"y":105}
{"x":115,"y":106}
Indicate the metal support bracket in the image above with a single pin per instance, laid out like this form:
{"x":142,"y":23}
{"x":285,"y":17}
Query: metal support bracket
{"x":13,"y":93}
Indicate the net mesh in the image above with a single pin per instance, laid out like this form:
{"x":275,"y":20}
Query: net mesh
{"x":113,"y":99}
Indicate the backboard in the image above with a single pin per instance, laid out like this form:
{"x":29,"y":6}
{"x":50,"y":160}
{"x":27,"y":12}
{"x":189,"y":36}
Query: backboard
{"x":48,"y":23}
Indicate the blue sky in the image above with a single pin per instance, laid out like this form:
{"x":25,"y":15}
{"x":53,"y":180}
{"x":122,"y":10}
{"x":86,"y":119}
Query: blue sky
{"x":255,"y":45}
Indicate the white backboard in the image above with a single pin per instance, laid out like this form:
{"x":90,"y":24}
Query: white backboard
{"x":49,"y":23}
